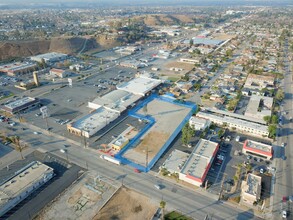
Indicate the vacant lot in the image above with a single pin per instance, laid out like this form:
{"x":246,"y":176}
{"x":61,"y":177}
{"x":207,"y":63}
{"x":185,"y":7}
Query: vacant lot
{"x":174,"y":64}
{"x":81,"y":201}
{"x":168,"y":117}
{"x":127,"y":205}
{"x":153,"y":141}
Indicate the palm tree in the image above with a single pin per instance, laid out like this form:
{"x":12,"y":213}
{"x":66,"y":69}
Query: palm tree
{"x":162,"y":206}
{"x":18,"y":147}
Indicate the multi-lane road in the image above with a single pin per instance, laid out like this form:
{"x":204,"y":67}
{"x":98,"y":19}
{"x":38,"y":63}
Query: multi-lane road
{"x":190,"y":202}
{"x":284,"y":155}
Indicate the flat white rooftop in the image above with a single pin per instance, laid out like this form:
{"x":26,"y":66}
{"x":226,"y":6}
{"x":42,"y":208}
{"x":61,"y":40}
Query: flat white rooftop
{"x":237,"y":116}
{"x":117,"y":100}
{"x":202,"y":155}
{"x":175,"y":161}
{"x":253,"y":105}
{"x":15,"y":66}
{"x":258,"y":146}
{"x":23,"y":180}
{"x":20,"y":102}
{"x":49,"y":56}
{"x":95,"y":121}
{"x":140,"y":85}
{"x":235,"y":121}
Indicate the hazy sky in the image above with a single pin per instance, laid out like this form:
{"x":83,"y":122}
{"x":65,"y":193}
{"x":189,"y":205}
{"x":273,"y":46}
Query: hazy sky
{"x":150,"y":2}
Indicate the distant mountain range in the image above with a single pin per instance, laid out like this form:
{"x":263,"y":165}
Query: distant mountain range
{"x":108,"y":3}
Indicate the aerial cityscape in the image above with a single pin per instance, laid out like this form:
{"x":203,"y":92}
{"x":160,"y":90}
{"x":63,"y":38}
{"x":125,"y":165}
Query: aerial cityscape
{"x":156,"y":110}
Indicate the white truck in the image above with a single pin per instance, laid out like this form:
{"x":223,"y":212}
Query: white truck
{"x":111,"y":159}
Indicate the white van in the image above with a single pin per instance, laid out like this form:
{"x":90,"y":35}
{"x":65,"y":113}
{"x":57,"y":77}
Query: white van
{"x":158,"y":186}
{"x":237,"y":138}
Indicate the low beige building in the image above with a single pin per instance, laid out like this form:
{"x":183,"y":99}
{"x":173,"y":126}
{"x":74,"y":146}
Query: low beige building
{"x":251,"y":189}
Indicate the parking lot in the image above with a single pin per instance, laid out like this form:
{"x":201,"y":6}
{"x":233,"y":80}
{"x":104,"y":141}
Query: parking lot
{"x":231,"y":157}
{"x":65,"y":174}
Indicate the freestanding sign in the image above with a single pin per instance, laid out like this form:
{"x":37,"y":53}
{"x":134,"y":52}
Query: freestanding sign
{"x":70,"y":82}
{"x":44,"y":111}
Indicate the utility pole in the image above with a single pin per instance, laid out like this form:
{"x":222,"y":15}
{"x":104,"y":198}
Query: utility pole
{"x":84,"y":139}
{"x":147,"y":156}
{"x":222,"y":185}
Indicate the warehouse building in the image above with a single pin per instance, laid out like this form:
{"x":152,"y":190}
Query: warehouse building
{"x":258,"y":149}
{"x":116,"y":100}
{"x":90,"y":124}
{"x":22,"y":184}
{"x":17,"y":68}
{"x":21,"y":104}
{"x":140,"y":85}
{"x":199,"y":162}
{"x":50,"y":57}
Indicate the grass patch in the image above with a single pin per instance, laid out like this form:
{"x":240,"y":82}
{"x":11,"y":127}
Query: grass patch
{"x":173,"y":79}
{"x":5,"y":97}
{"x":176,"y":216}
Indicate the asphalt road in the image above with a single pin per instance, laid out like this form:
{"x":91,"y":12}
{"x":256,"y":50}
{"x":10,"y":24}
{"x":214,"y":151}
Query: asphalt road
{"x":194,"y":204}
{"x":284,"y":172}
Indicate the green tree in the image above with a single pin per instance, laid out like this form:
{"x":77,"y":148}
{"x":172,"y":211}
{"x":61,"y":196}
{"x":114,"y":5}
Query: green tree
{"x":280,"y":95}
{"x":272,"y":129}
{"x":187,"y":133}
{"x":229,"y":53}
{"x":191,"y":42}
{"x":274,"y":119}
{"x":162,"y":206}
{"x":221,"y":133}
{"x":18,"y":147}
{"x":267,"y":119}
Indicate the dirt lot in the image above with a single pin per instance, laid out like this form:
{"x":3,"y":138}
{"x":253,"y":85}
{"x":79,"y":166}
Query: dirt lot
{"x":154,"y":140}
{"x":127,"y":205}
{"x":185,"y":66}
{"x":222,"y":36}
{"x":168,"y":116}
{"x":81,"y":201}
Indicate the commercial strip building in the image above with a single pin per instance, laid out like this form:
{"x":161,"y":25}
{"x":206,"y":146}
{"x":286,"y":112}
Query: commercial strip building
{"x":204,"y":41}
{"x":175,"y":161}
{"x":123,"y":139}
{"x":59,"y":73}
{"x":258,"y":149}
{"x":90,"y":124}
{"x":199,"y":162}
{"x":22,"y":184}
{"x":116,"y":100}
{"x":259,"y":106}
{"x":199,"y":124}
{"x":17,"y":68}
{"x":49,"y":57}
{"x":189,"y":60}
{"x":195,"y":169}
{"x":20,"y":105}
{"x":238,"y":124}
{"x":251,"y":189}
{"x":132,"y":64}
{"x":110,"y":106}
